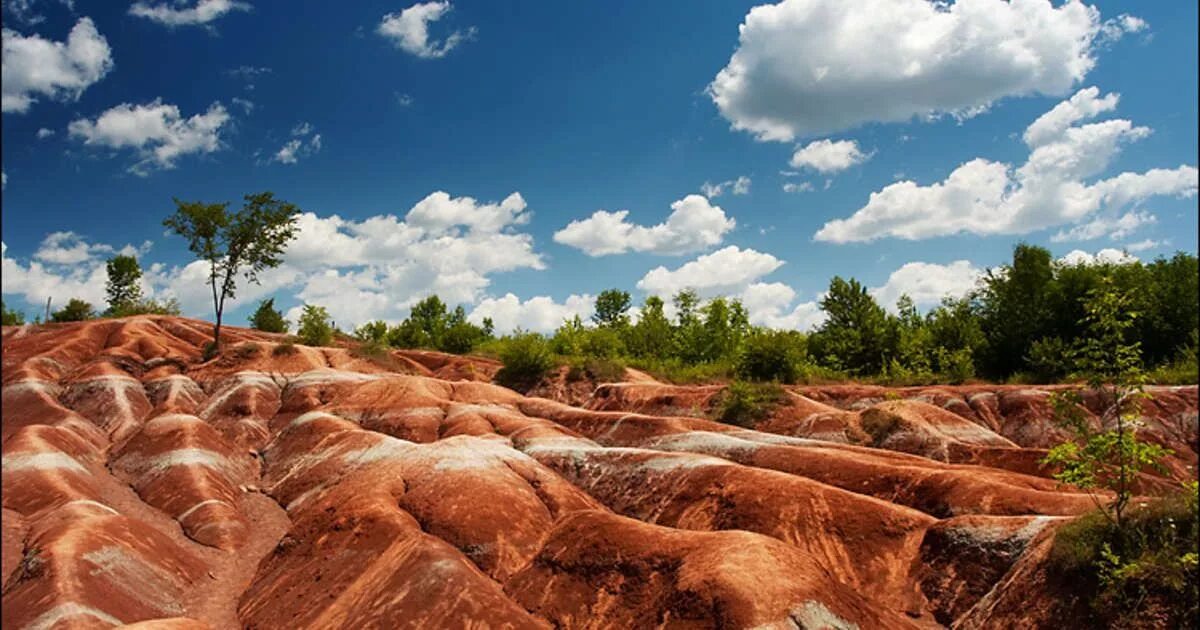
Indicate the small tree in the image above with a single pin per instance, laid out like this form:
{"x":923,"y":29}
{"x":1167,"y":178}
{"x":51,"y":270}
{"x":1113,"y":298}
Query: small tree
{"x":11,"y":317}
{"x":235,"y":245}
{"x":1109,"y":456}
{"x":612,"y":308}
{"x":124,"y":272}
{"x":314,"y":326}
{"x":267,"y":318}
{"x":76,"y":310}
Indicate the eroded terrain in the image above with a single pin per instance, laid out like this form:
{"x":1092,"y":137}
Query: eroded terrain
{"x":313,"y":489}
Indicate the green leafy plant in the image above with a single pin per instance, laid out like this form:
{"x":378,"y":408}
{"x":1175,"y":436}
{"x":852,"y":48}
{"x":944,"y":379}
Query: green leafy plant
{"x":122,"y":287}
{"x":527,"y":359}
{"x":315,"y":328}
{"x":76,"y":310}
{"x":744,"y":404}
{"x":267,"y":318}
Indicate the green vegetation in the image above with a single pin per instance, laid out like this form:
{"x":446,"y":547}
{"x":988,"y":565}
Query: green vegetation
{"x":122,"y":287}
{"x":527,"y":359}
{"x":1138,"y":563}
{"x":76,"y":310}
{"x":315,"y":328}
{"x":11,"y":317}
{"x":744,"y":404}
{"x":235,"y":245}
{"x":267,"y":318}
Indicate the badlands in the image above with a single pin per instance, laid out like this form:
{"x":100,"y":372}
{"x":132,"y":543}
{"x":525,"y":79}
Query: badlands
{"x":282,"y":486}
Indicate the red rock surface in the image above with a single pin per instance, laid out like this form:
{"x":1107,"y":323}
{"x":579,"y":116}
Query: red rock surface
{"x":320,"y":488}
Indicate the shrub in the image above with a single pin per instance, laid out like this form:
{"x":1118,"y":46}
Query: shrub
{"x":267,"y":318}
{"x":247,"y":350}
{"x":1148,"y":572}
{"x":315,"y":329}
{"x":209,"y":351}
{"x":372,"y":332}
{"x":527,"y":358}
{"x":956,"y":366}
{"x":11,"y":317}
{"x":744,"y":404}
{"x":285,"y":349}
{"x":146,"y":306}
{"x":604,"y":370}
{"x":771,"y":355}
{"x":76,"y":310}
{"x":461,"y":337}
{"x":1049,"y":358}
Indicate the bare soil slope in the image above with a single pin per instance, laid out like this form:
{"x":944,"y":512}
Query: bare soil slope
{"x":296,"y":487}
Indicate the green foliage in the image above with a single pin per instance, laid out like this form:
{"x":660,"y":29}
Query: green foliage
{"x":855,"y":335}
{"x":11,"y":317}
{"x":267,"y":318}
{"x":285,"y":349}
{"x":372,"y":332}
{"x":123,"y":290}
{"x":1153,"y":577}
{"x":431,"y":325}
{"x":612,"y":308}
{"x":604,"y":370}
{"x":772,"y":355}
{"x":527,"y":358}
{"x":1108,"y":456}
{"x":1049,"y":359}
{"x":651,"y":336}
{"x":76,"y":310}
{"x":146,"y":306}
{"x":314,"y":326}
{"x":236,"y":245}
{"x":744,"y":404}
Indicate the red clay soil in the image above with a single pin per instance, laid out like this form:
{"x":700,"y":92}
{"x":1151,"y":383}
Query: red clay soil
{"x":282,"y":486}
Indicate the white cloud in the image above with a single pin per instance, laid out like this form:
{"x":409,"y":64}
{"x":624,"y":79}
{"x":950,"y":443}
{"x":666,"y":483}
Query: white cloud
{"x":409,"y":30}
{"x":538,"y":314}
{"x":693,"y":224}
{"x":791,"y":187}
{"x":3,"y":180}
{"x":44,"y":133}
{"x":1106,"y":256}
{"x":178,"y":14}
{"x":246,"y":105}
{"x":769,"y":304}
{"x":439,"y":212}
{"x":33,"y":66}
{"x":156,"y":131}
{"x":825,"y":156}
{"x":739,"y":186}
{"x":723,"y":272}
{"x":810,"y":67}
{"x":927,"y":283}
{"x":1051,"y":188}
{"x":1115,"y":228}
{"x":298,"y":147}
{"x":248,"y":74}
{"x":360,"y":270}
{"x":1144,"y":245}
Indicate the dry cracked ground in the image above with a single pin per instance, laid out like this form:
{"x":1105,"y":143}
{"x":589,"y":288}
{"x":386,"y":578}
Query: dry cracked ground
{"x":313,"y":489}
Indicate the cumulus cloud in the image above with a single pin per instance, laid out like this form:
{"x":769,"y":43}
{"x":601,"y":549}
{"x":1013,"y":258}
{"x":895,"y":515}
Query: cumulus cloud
{"x":248,"y":74}
{"x":813,"y":67}
{"x":724,"y":272}
{"x":1106,"y":256}
{"x":770,"y":304}
{"x":34,"y":67}
{"x":376,"y":268}
{"x":927,"y":283}
{"x":538,"y":314}
{"x":1116,"y":228}
{"x":178,"y":13}
{"x":303,"y":144}
{"x":155,"y":131}
{"x":1144,"y":245}
{"x":44,"y":133}
{"x":739,"y":186}
{"x":408,"y":30}
{"x":826,"y":156}
{"x":693,"y":225}
{"x":1051,"y":188}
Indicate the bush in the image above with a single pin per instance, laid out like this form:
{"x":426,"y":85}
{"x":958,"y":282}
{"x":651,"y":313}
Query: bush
{"x":1146,"y":576}
{"x":461,"y":337}
{"x":744,"y":404}
{"x":11,"y":317}
{"x":372,"y":332}
{"x":267,"y":319}
{"x":315,"y":329}
{"x":285,"y":349}
{"x":146,"y":306}
{"x":674,"y":370}
{"x":956,"y":366}
{"x":771,"y":355}
{"x":76,"y":310}
{"x":247,"y":350}
{"x":1049,"y":358}
{"x":527,"y":359}
{"x":605,"y":370}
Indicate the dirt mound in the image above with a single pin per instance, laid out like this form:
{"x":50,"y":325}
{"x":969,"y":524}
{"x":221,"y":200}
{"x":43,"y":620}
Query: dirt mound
{"x":281,"y":486}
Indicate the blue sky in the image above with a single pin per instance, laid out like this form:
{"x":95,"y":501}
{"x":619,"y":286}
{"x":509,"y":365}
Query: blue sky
{"x":112,"y":109}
